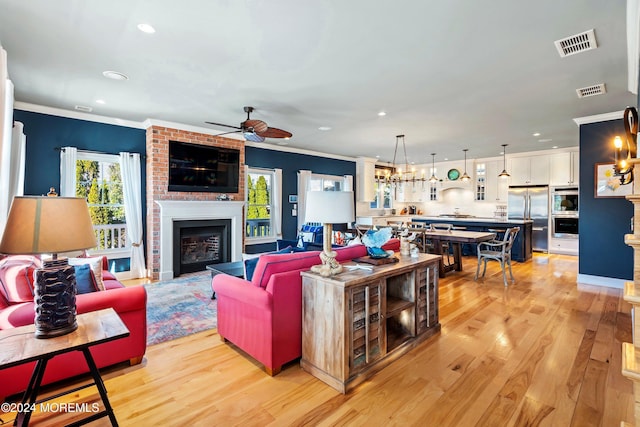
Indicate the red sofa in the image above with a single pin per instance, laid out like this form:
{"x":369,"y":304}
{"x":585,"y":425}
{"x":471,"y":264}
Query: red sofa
{"x":130,"y":303}
{"x":264,"y":317}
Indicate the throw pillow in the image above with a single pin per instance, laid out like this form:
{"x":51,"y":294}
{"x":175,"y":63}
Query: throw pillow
{"x":250,"y":264}
{"x":96,"y":266}
{"x":85,"y":279}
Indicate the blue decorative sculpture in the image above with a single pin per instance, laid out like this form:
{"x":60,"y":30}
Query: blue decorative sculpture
{"x":374,"y":240}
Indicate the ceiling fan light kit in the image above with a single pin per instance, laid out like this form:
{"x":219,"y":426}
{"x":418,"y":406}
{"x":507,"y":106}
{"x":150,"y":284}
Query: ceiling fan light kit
{"x":254,"y":130}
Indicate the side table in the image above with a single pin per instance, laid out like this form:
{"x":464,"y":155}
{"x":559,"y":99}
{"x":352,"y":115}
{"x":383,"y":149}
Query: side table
{"x":235,"y":268}
{"x":19,"y":345}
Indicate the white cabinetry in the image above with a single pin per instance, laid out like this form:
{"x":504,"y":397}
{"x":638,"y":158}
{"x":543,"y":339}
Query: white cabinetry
{"x":533,"y":170}
{"x":495,"y":189}
{"x":565,"y":168}
{"x":365,"y":179}
{"x":563,"y":246}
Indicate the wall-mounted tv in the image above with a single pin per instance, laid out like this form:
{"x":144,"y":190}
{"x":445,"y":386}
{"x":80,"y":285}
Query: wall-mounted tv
{"x":201,"y":168}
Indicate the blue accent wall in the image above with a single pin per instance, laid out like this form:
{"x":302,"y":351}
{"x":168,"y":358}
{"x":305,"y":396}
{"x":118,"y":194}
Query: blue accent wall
{"x":45,"y":133}
{"x":291,"y":163}
{"x":603,"y":221}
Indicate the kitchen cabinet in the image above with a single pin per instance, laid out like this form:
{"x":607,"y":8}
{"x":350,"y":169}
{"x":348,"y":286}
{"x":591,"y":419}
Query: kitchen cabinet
{"x":490,"y":187}
{"x":563,"y":246}
{"x":382,"y":221}
{"x":532,"y":170}
{"x":565,"y":168}
{"x":358,"y":322}
{"x":365,"y":179}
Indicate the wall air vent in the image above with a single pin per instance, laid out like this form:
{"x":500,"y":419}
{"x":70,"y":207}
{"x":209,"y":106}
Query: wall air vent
{"x":576,"y":44}
{"x":83,"y":108}
{"x":594,"y":90}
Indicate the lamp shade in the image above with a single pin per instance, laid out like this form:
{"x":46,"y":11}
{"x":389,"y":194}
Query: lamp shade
{"x":47,"y":225}
{"x":329,"y":207}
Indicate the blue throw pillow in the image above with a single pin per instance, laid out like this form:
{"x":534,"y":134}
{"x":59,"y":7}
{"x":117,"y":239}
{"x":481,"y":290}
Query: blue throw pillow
{"x":85,"y":280}
{"x":250,"y":264}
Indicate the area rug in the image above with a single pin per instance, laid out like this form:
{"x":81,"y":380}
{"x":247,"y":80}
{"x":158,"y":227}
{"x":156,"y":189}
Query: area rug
{"x":180,"y":307}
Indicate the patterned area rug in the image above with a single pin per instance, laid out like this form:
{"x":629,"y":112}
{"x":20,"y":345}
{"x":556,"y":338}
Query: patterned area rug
{"x":180,"y":307}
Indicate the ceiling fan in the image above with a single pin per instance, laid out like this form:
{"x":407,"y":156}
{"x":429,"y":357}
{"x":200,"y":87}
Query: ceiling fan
{"x":255,"y":130}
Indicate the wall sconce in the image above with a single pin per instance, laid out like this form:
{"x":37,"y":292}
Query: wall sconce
{"x":624,"y":162}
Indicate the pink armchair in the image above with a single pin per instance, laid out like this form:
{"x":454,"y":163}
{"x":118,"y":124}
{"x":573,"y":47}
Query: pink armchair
{"x":264,"y":317}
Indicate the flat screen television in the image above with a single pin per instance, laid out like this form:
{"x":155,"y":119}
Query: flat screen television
{"x":203,"y":168}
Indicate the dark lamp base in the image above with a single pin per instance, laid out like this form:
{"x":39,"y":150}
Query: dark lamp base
{"x":55,"y":299}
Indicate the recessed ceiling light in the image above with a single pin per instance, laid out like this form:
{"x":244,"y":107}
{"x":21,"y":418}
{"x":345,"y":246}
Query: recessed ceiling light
{"x":114,"y":75}
{"x":545,"y":140}
{"x":446,"y":158}
{"x":323,"y":128}
{"x":555,"y":146}
{"x":536,"y":134}
{"x":100,"y":101}
{"x":382,"y":113}
{"x":146,"y":28}
{"x":377,"y":157}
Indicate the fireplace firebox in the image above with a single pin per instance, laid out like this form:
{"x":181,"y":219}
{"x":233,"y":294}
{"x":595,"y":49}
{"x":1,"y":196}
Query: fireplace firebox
{"x":198,"y":243}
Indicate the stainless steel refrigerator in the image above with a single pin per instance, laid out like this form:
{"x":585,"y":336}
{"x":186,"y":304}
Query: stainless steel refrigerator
{"x":532,"y":203}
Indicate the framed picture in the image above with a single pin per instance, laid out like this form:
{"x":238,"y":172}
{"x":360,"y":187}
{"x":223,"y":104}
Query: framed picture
{"x":608,"y":184}
{"x":293,"y":198}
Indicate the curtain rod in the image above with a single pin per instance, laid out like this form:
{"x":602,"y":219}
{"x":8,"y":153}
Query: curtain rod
{"x":99,"y":152}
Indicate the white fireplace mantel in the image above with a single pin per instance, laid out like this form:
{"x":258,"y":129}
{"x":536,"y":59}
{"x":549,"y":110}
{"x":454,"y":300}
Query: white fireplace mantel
{"x":181,"y":210}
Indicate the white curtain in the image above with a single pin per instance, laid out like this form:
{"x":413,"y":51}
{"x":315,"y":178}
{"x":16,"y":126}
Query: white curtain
{"x":304,"y":177}
{"x":347,"y":183}
{"x":18,"y":153}
{"x":68,"y":158}
{"x":276,"y":196}
{"x":132,"y":190}
{"x":6,"y":130}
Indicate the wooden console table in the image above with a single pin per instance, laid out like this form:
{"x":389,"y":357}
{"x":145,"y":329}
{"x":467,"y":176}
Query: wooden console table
{"x":19,"y":345}
{"x":357,"y":322}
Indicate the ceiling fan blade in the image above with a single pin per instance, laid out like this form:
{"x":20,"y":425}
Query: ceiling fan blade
{"x":255,"y":125}
{"x":275,"y":133}
{"x":227,"y":133}
{"x":254,"y":137}
{"x":227,"y":126}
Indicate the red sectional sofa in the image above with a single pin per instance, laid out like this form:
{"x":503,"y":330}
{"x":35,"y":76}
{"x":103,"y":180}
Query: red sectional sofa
{"x":17,"y":309}
{"x":263,"y":317}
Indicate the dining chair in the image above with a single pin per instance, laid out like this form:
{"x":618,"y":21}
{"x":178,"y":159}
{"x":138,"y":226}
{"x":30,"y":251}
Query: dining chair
{"x":446,"y":253}
{"x":418,"y":228}
{"x":499,"y":250}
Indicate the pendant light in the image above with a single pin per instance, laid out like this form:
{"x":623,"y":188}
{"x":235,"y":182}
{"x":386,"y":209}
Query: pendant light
{"x":433,"y":178}
{"x":504,"y":173}
{"x":465,"y":177}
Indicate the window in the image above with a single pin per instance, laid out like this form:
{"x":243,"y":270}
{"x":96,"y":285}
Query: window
{"x":326,"y":183}
{"x":259,"y":223}
{"x":98,"y":180}
{"x":481,"y":181}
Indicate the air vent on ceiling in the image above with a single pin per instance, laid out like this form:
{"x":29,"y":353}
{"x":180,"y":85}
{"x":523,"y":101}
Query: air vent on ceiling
{"x":594,"y":90}
{"x":576,"y":43}
{"x":83,"y":108}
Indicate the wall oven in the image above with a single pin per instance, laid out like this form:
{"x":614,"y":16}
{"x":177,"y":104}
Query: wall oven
{"x":565,"y":226}
{"x":564,"y":201}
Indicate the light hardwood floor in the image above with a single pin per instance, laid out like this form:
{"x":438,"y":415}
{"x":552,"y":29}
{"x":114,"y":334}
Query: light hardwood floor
{"x":541,"y":352}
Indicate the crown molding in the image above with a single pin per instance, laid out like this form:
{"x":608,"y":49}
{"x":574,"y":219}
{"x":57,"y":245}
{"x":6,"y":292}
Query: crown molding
{"x":52,"y":111}
{"x":616,"y":115}
{"x":190,"y":128}
{"x":294,"y":150}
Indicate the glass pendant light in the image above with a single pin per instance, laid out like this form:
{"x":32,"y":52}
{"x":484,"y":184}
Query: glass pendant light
{"x":433,"y":178}
{"x":504,"y":173}
{"x":465,"y":177}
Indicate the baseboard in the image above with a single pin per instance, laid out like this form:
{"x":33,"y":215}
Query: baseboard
{"x":608,"y":282}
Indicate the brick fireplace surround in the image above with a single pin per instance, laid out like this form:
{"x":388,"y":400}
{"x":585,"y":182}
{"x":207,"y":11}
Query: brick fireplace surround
{"x":158,"y":138}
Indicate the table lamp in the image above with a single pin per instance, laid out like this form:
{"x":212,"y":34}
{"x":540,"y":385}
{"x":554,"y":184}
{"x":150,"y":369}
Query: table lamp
{"x":49,"y":225}
{"x":329,"y":207}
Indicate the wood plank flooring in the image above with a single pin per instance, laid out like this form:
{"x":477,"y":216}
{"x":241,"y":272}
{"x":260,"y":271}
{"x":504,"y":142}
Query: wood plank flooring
{"x":541,"y":352}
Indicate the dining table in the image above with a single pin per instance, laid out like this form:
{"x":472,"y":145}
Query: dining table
{"x":455,"y":239}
